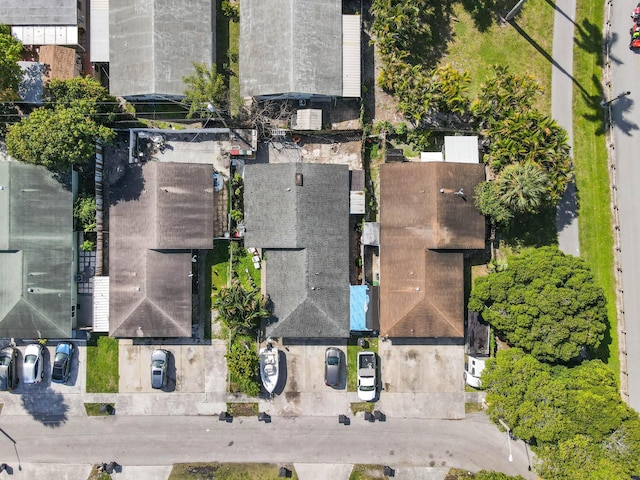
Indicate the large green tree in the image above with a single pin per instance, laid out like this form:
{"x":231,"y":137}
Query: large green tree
{"x":574,"y":417}
{"x":56,"y":139}
{"x":86,"y":95}
{"x":10,"y":71}
{"x":544,"y":302}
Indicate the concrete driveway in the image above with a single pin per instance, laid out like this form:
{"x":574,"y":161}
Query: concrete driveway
{"x":422,"y":380}
{"x":192,"y":368}
{"x":301,"y":389}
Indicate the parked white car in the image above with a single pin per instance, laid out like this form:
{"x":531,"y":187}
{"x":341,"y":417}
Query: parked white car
{"x":366,"y":376}
{"x":33,"y":366}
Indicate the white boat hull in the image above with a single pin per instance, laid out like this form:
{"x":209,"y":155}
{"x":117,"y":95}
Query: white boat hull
{"x":269,"y":368}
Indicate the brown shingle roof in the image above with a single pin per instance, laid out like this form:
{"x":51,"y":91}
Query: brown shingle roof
{"x":424,"y":225}
{"x":159,"y":211}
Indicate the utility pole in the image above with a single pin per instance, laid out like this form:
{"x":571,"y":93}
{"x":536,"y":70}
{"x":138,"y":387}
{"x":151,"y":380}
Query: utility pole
{"x":513,"y":11}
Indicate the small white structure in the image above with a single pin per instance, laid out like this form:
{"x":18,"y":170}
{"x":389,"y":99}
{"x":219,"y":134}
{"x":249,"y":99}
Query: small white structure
{"x":456,"y":150}
{"x":473,"y":369}
{"x":307,"y":119}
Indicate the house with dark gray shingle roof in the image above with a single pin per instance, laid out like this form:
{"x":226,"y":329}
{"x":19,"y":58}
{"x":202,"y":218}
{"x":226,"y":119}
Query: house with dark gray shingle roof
{"x":299,"y":215}
{"x":37,"y":253}
{"x":159,"y":213}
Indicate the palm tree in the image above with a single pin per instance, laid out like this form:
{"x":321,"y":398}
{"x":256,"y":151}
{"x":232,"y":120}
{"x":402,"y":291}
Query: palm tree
{"x":240,"y":309}
{"x":522,"y":187}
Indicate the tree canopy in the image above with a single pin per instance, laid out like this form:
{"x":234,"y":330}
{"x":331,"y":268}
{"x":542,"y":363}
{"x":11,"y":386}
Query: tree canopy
{"x":64,"y":131}
{"x":56,"y":139}
{"x":544,"y":302}
{"x":10,"y":71}
{"x":240,"y":309}
{"x":86,"y":95}
{"x":552,"y":408}
{"x":203,"y":87}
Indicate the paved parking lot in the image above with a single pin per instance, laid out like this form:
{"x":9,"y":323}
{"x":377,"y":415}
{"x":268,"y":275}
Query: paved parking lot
{"x":418,"y":380}
{"x":192,"y":368}
{"x":46,"y":397}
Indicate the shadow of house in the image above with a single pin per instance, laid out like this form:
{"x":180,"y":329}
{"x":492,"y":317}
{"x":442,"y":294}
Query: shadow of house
{"x":152,"y":235}
{"x":37,"y":253}
{"x":299,"y":215}
{"x":426,"y":224}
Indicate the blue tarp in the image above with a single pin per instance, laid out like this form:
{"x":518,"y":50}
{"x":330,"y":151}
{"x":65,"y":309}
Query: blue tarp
{"x":359,"y":295}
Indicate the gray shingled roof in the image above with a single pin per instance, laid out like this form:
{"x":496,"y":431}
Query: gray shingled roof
{"x":291,"y":46}
{"x":304,"y":233}
{"x":36,"y":253}
{"x":154,"y":43}
{"x":158,"y":212}
{"x":39,"y":12}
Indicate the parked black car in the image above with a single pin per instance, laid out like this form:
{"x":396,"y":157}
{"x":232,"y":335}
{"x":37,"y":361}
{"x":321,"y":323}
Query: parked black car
{"x":62,"y":362}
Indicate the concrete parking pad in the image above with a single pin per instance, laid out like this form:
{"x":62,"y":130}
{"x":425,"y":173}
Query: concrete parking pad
{"x":192,"y":369}
{"x":143,"y":473}
{"x":315,"y":471}
{"x":422,"y":380}
{"x":31,"y":471}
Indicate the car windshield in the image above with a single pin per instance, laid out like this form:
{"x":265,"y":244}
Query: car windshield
{"x":60,"y":357}
{"x":57,"y":371}
{"x":333,"y":361}
{"x":157,"y":373}
{"x":5,"y":360}
{"x":30,"y":359}
{"x":157,"y":363}
{"x":367,"y":388}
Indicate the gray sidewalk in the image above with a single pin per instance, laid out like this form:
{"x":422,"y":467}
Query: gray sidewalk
{"x":562,"y":112}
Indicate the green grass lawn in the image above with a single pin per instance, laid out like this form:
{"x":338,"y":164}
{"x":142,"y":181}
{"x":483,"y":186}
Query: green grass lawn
{"x":525,"y":51}
{"x":227,"y":471}
{"x":102,"y":365}
{"x":218,"y":262}
{"x":352,"y":360}
{"x":590,"y":162}
{"x":234,"y":67}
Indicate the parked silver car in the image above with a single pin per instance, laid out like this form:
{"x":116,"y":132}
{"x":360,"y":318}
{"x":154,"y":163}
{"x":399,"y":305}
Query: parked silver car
{"x":159,"y":364}
{"x":8,"y":368}
{"x":332,"y":361}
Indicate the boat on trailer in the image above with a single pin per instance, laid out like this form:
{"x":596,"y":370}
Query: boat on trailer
{"x":269,"y":367}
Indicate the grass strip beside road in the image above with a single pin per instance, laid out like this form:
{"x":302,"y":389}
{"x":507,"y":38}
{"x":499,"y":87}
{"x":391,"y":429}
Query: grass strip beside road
{"x":102,"y":365}
{"x":591,"y":167}
{"x":228,"y":471}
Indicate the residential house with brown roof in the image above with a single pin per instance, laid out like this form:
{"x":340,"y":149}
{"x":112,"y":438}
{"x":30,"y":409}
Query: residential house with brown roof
{"x":159,"y":214}
{"x":427,"y":222}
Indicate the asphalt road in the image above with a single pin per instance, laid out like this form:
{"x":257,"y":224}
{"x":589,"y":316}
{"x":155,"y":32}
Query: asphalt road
{"x":625,"y":67}
{"x":473,"y":443}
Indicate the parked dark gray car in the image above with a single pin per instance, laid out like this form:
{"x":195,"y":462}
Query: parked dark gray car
{"x":332,"y":361}
{"x":8,"y":368}
{"x":159,"y":364}
{"x":62,"y":362}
